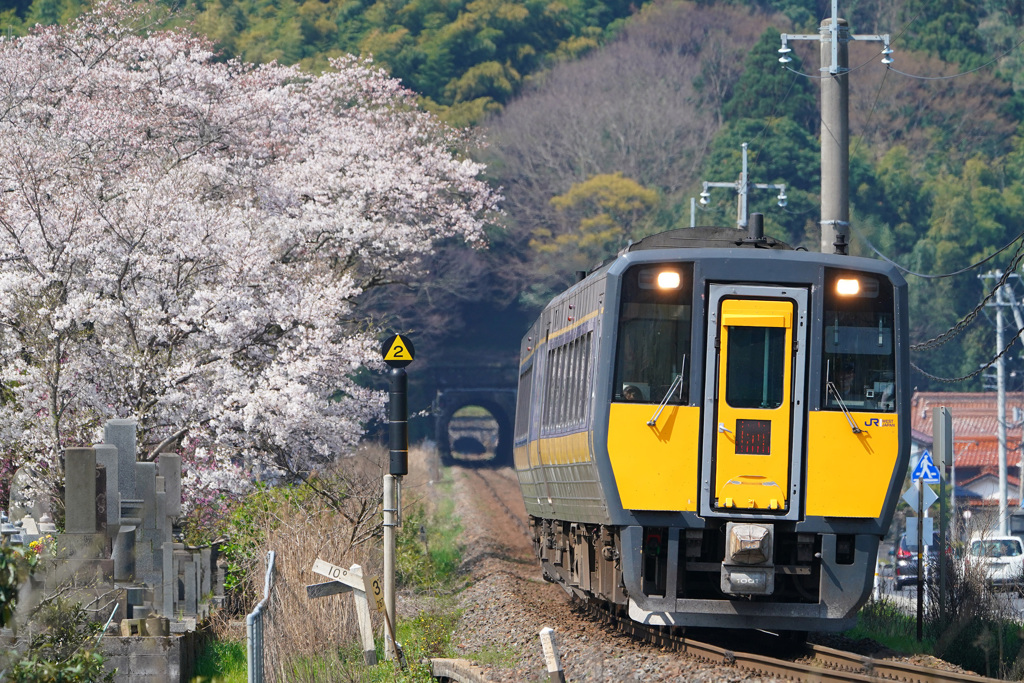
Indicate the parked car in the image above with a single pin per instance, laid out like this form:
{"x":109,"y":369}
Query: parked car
{"x":1002,"y":557}
{"x":905,"y":565}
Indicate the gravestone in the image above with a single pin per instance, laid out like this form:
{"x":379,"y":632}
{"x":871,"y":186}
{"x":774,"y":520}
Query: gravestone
{"x":146,"y":533}
{"x":169,"y":467}
{"x":106,"y":455}
{"x":21,"y":502}
{"x":121,"y":434}
{"x":80,"y":490}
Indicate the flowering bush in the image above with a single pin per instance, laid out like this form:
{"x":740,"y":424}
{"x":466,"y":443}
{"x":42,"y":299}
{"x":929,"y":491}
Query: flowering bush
{"x":15,"y":568}
{"x":44,"y":546}
{"x":184,"y":241}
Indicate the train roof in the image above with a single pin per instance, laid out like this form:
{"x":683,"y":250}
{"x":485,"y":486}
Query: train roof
{"x":694,"y":238}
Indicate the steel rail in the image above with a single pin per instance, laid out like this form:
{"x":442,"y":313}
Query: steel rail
{"x":825,"y":663}
{"x":892,"y":669}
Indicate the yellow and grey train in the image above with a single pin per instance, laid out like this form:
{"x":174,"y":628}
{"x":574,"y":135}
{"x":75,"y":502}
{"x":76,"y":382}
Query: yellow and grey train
{"x":712,"y":430}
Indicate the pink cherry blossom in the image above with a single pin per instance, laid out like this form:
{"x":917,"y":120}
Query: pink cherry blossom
{"x":184,"y":241}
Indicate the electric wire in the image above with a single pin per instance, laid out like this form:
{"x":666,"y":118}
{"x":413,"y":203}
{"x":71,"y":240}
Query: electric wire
{"x":967,"y":320}
{"x":964,"y":322}
{"x":962,"y":73}
{"x":983,"y":368}
{"x":940,"y":276}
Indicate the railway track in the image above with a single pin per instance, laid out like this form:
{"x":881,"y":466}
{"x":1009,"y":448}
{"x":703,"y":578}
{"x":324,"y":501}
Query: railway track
{"x":808,"y":663}
{"x":801,"y":662}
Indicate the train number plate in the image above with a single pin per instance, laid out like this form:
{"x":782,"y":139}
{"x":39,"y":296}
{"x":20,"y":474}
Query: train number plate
{"x":753,"y":437}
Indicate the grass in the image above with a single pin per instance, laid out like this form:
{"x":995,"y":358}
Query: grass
{"x":497,"y":657}
{"x":883,"y":622}
{"x":428,"y":548}
{"x":428,"y":554}
{"x":222,"y":661}
{"x":983,"y":643}
{"x":472,"y":411}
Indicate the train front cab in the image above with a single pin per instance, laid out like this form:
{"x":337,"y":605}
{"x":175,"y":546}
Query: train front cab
{"x":754,"y":436}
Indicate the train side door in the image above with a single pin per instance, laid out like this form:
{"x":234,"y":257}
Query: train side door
{"x":754,"y":399}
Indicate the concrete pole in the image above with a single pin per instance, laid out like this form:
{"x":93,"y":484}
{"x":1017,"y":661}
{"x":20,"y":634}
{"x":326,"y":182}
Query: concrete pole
{"x":742,"y":212}
{"x":390,"y":523}
{"x":1001,"y":412}
{"x":835,"y":136}
{"x":1019,"y":319}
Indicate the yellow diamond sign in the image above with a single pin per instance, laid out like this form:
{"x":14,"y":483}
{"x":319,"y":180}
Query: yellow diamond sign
{"x":398,"y":351}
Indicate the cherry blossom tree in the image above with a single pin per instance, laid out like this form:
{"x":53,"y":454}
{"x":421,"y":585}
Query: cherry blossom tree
{"x":185,"y":241}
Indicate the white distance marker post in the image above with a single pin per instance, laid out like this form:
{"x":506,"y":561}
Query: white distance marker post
{"x":551,"y":659}
{"x":345,"y":580}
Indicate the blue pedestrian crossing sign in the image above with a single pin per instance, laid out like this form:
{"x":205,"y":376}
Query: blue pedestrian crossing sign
{"x":926,"y":470}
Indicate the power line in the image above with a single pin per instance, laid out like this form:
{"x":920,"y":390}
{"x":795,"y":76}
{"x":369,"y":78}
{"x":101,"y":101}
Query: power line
{"x":962,"y":324}
{"x":962,"y":73}
{"x":926,"y":276}
{"x":983,"y":368}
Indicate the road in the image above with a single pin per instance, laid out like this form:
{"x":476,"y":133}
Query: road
{"x":906,"y":598}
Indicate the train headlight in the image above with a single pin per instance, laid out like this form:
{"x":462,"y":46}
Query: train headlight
{"x":669,"y":279}
{"x":847,"y":286}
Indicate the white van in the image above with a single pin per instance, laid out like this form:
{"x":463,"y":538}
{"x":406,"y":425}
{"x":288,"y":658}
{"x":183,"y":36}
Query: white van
{"x":1002,"y":557}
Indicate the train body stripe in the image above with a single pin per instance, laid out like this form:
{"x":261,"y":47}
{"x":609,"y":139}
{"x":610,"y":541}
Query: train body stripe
{"x":848,"y":474}
{"x":656,"y":468}
{"x":566,"y":449}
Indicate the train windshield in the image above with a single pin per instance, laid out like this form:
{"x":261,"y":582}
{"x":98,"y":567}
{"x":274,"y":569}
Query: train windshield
{"x":756,"y":369}
{"x":654,"y":334}
{"x":859,"y":359}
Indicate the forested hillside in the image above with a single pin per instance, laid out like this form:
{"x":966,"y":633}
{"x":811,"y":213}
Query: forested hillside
{"x":601,"y":119}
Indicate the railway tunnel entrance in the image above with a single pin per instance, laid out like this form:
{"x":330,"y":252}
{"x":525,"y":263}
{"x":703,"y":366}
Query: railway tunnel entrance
{"x":474,"y":409}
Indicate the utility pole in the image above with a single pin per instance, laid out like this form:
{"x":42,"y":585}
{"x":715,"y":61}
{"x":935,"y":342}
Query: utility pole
{"x":1000,"y":400}
{"x":743,"y":186}
{"x":834,"y":36}
{"x":1019,"y":319}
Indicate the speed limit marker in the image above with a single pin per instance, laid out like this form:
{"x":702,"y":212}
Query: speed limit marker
{"x":397,"y":351}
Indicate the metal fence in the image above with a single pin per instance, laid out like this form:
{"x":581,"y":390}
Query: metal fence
{"x":254,"y":627}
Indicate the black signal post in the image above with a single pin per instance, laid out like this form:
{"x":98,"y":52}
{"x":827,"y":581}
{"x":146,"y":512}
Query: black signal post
{"x":398,"y":352}
{"x":398,"y":421}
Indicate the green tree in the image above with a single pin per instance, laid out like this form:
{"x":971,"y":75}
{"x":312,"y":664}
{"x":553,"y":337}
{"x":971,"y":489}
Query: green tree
{"x":946,"y":29}
{"x":63,"y":648}
{"x":765,"y":91}
{"x":49,"y":12}
{"x":782,"y":152}
{"x":601,"y":215}
{"x":893,"y":193}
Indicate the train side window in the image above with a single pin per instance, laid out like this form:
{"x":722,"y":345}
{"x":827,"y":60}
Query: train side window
{"x":567,"y":384}
{"x":858,"y":354}
{"x":523,"y":404}
{"x":655,"y":319}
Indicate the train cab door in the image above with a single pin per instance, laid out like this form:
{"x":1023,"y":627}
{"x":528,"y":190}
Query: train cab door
{"x":754,"y":400}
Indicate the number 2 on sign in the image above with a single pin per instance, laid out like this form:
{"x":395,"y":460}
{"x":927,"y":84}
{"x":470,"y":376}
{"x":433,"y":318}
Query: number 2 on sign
{"x":397,"y":352}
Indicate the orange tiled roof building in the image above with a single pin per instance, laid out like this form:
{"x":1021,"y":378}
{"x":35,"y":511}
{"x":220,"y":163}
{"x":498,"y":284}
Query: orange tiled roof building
{"x":975,"y":443}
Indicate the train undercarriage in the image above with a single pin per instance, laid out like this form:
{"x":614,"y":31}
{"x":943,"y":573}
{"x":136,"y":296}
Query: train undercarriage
{"x":681,"y":576}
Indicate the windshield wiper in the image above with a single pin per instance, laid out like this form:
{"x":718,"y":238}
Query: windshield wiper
{"x":677,"y":382}
{"x":830,"y":386}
